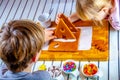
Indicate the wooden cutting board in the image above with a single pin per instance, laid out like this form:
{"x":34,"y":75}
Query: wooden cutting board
{"x":98,"y":51}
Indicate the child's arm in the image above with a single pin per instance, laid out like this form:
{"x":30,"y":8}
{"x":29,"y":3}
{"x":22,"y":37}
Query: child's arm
{"x":72,"y":17}
{"x":114,"y":18}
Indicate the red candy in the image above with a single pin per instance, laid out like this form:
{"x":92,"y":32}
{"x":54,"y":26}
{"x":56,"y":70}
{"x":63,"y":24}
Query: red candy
{"x":90,"y":69}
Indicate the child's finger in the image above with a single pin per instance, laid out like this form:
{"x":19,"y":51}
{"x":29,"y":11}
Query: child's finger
{"x":59,"y":15}
{"x":52,"y":37}
{"x":57,"y":20}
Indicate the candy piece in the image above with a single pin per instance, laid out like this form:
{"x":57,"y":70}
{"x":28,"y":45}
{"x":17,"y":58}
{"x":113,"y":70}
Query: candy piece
{"x":69,"y":66}
{"x":42,"y":67}
{"x":90,"y":69}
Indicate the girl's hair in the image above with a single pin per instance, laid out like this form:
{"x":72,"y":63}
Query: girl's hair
{"x":20,"y":40}
{"x":87,"y":9}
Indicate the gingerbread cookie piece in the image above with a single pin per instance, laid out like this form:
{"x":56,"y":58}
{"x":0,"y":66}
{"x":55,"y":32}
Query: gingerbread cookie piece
{"x":68,"y":23}
{"x":62,"y":31}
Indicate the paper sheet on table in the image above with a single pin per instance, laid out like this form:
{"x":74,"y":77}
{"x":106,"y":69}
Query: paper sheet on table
{"x":84,"y":41}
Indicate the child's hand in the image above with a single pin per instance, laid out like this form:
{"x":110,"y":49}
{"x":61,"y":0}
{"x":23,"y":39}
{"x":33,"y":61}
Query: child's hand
{"x":49,"y":35}
{"x":58,"y":18}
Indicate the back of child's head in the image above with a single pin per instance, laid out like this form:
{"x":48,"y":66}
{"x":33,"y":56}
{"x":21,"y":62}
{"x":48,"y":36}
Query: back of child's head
{"x":20,"y":40}
{"x":87,"y":9}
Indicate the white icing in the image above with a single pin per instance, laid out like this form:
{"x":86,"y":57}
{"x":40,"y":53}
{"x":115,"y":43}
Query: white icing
{"x":65,"y":40}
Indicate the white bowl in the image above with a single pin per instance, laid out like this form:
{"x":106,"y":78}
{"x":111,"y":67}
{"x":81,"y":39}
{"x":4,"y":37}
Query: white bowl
{"x":72,"y":69}
{"x":73,"y":72}
{"x":89,"y":70}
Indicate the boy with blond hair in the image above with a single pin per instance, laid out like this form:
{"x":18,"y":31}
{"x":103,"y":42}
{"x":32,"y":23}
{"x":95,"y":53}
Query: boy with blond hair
{"x":20,"y":43}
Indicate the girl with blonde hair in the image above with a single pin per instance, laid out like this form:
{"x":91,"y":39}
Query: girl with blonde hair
{"x":96,"y":10}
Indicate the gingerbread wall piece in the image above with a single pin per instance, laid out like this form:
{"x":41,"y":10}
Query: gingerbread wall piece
{"x":68,"y":23}
{"x":67,"y":36}
{"x":62,"y":31}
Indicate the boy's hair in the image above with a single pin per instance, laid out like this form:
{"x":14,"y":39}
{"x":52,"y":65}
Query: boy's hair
{"x":88,"y":8}
{"x":20,"y":40}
